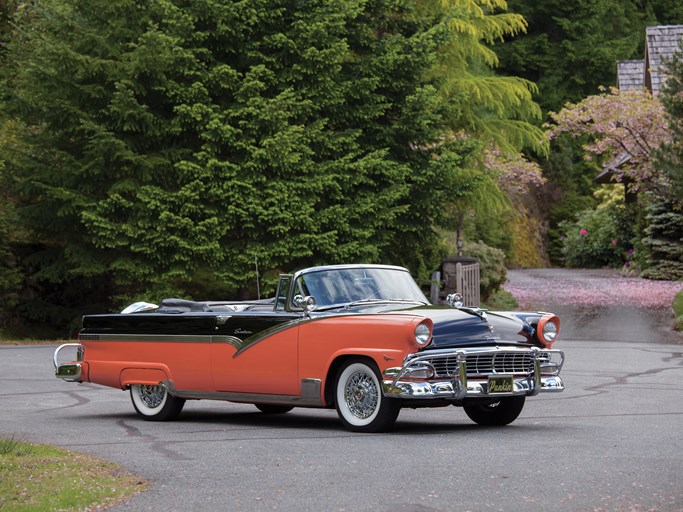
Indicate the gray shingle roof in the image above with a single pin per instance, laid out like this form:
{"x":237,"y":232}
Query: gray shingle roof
{"x":661,"y":42}
{"x":630,"y":74}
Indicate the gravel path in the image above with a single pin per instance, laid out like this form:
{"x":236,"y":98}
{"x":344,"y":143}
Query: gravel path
{"x":600,"y":304}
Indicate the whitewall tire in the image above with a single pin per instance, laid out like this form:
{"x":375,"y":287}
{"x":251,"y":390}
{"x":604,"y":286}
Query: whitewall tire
{"x":360,"y":404}
{"x":153,"y":403}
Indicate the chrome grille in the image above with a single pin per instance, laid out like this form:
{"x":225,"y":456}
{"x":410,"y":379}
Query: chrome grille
{"x":486,"y":363}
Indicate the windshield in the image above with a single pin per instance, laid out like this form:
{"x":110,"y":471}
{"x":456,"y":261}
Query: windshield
{"x":342,"y":286}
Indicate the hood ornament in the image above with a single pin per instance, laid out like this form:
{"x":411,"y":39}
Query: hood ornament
{"x":455,"y":300}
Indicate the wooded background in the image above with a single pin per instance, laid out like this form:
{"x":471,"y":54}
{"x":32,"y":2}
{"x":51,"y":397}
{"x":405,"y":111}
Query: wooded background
{"x":155,"y":149}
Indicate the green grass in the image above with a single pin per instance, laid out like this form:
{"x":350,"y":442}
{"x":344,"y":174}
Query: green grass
{"x":44,"y":478}
{"x":678,"y":310}
{"x":34,"y":342}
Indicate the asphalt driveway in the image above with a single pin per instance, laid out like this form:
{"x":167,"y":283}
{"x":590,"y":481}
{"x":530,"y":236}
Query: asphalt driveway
{"x":610,"y":441}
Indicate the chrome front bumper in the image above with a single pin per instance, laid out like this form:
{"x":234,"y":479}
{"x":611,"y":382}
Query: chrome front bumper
{"x":425,"y":375}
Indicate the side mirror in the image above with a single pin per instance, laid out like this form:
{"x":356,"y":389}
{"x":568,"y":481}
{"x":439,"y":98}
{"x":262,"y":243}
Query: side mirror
{"x":307,"y":303}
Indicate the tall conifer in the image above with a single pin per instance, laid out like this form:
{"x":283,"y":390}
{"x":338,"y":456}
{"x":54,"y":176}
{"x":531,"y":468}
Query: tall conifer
{"x":161,"y":147}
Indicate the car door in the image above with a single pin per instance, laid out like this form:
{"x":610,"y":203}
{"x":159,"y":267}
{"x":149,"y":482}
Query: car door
{"x":256,"y":352}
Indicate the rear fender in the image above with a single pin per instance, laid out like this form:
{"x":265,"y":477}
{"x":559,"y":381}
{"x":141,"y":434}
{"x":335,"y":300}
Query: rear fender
{"x":144,"y":376}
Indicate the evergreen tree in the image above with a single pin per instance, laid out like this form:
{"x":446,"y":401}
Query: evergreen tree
{"x":664,"y":239}
{"x":497,"y":112}
{"x":661,"y":12}
{"x":497,"y":109}
{"x":161,"y":147}
{"x":571,"y":48}
{"x":10,"y":275}
{"x":671,"y":156}
{"x":664,"y":218}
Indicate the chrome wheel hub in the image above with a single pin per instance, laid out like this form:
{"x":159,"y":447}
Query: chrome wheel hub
{"x":152,"y":396}
{"x":361,"y":395}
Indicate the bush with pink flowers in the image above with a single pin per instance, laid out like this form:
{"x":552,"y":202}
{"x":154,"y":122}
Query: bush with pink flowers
{"x":599,"y":238}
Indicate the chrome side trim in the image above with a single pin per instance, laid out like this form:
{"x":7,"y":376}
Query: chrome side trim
{"x":310,"y":389}
{"x":169,"y":338}
{"x":250,"y":398}
{"x":260,"y":336}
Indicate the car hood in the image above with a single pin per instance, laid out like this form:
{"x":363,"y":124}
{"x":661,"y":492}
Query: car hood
{"x":455,"y":327}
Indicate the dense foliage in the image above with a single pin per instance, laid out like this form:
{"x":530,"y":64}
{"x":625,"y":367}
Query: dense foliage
{"x":169,"y":147}
{"x":636,"y":137}
{"x":496,"y":112}
{"x":664,"y":216}
{"x":572,"y":47}
{"x":10,"y":276}
{"x":569,"y":50}
{"x":671,"y":155}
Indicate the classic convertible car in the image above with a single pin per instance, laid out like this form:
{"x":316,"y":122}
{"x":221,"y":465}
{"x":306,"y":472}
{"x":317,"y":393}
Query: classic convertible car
{"x":359,"y":338}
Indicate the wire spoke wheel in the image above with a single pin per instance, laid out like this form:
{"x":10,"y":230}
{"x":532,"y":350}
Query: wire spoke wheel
{"x":154,"y":403}
{"x":152,"y":396}
{"x":359,"y":400}
{"x":361,"y":395}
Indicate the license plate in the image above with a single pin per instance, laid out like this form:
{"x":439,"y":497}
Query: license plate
{"x":500,"y":385}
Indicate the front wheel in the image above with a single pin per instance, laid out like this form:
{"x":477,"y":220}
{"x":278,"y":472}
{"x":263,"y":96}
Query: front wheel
{"x":361,"y":406}
{"x":153,"y":403}
{"x":495,"y":414}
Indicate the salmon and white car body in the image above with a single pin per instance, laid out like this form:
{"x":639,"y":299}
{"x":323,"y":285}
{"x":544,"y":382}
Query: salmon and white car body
{"x":360,"y":338}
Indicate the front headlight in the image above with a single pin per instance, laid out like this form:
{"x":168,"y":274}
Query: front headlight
{"x":423,"y":333}
{"x":548,"y":329}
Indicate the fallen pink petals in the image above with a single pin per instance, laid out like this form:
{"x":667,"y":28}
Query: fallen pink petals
{"x":601,"y":288}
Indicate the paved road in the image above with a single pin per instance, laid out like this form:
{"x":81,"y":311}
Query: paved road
{"x":611,"y":442}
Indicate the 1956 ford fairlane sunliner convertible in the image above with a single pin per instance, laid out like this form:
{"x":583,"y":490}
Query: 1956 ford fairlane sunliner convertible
{"x":359,"y":338}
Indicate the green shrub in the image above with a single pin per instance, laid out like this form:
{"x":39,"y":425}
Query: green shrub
{"x":677,"y":306}
{"x":501,"y":300}
{"x":599,"y":238}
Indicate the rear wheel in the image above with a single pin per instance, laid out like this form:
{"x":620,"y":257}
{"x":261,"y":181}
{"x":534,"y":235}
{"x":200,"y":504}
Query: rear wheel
{"x":361,"y":406}
{"x":153,"y":403}
{"x":273,"y":409}
{"x":497,"y":413}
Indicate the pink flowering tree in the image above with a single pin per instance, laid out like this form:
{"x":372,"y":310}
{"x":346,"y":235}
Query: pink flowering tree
{"x":624,"y":129}
{"x":514,"y":174}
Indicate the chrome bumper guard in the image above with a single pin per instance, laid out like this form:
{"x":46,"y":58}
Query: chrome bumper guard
{"x":419,"y":378}
{"x":70,"y":372}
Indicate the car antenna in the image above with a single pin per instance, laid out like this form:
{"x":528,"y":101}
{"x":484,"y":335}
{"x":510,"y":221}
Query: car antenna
{"x":258,"y":287}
